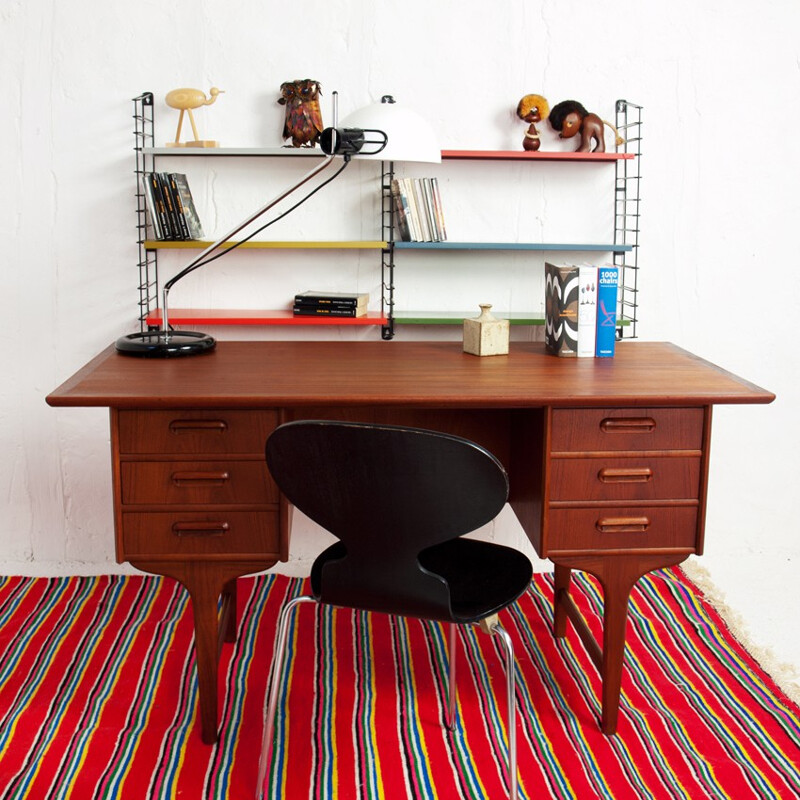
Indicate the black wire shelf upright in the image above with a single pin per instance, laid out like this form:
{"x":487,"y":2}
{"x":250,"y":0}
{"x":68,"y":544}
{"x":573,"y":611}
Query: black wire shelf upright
{"x":148,"y":259}
{"x":627,"y":198}
{"x":387,"y":256}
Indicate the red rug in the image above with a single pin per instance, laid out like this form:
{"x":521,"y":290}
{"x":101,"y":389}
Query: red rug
{"x":97,"y":700}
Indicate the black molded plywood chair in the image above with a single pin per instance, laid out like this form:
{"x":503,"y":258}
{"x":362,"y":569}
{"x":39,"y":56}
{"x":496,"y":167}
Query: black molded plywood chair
{"x":399,"y":500}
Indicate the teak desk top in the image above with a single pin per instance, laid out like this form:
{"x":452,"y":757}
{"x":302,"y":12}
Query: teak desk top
{"x":252,"y":374}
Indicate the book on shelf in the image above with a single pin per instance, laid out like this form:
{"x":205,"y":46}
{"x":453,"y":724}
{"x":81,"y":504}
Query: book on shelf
{"x":421,"y":206}
{"x":587,"y":310}
{"x":401,"y":211}
{"x":185,"y":201}
{"x":607,"y":291}
{"x":328,"y":311}
{"x":414,"y":224}
{"x":331,"y":304}
{"x":177,"y":205}
{"x":418,"y":210}
{"x":155,"y":205}
{"x":169,"y":202}
{"x":438,"y":210}
{"x":562,"y":288}
{"x":176,"y":232}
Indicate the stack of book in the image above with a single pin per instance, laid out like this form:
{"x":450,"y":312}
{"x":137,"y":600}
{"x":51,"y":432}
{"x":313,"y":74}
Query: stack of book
{"x":330,"y":304}
{"x":172,"y":211}
{"x":581,"y":309}
{"x":418,"y":210}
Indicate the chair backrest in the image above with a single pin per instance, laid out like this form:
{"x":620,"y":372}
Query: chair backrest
{"x":387,"y":493}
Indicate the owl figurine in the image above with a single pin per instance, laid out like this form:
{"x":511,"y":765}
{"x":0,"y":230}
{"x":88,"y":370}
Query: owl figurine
{"x":303,"y":121}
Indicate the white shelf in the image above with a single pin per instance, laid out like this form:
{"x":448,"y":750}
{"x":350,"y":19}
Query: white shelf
{"x":308,"y":152}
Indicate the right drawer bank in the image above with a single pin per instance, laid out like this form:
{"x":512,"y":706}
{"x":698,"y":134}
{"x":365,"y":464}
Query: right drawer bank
{"x":624,"y":480}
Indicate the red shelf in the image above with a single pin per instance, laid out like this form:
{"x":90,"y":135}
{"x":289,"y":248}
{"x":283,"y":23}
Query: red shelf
{"x":227,"y":316}
{"x":539,"y":155}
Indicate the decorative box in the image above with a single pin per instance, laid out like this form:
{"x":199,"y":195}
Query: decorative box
{"x":484,"y":335}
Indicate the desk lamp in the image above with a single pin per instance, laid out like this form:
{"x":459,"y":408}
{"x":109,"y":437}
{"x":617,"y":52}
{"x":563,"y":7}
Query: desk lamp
{"x":382,"y":131}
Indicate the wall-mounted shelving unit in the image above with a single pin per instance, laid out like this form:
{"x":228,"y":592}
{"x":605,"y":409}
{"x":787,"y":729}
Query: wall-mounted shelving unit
{"x":623,"y":248}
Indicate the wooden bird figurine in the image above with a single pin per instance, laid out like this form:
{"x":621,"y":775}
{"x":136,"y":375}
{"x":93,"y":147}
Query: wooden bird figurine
{"x":186,"y":100}
{"x":303,"y":120}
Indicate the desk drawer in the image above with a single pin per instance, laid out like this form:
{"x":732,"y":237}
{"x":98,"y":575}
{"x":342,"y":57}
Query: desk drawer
{"x":196,"y":534}
{"x":195,"y":432}
{"x":632,"y":478}
{"x":615,"y":429}
{"x":197,"y":482}
{"x":622,"y":528}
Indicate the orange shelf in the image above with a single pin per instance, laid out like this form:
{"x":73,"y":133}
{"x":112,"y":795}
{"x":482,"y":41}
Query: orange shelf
{"x":237,"y":316}
{"x":538,"y":155}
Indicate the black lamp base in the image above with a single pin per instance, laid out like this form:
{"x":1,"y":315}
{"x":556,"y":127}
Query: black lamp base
{"x":160,"y":344}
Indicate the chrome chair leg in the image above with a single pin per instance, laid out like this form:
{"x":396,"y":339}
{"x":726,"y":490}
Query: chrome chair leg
{"x":511,"y":686}
{"x":275,"y":680}
{"x":450,"y":718}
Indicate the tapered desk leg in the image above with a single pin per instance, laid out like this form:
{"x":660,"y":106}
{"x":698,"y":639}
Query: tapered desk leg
{"x":617,"y":575}
{"x":206,"y":583}
{"x":229,"y":600}
{"x":563,"y":577}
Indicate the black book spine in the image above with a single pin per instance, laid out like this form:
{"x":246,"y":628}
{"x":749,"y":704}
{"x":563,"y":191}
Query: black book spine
{"x":161,"y":208}
{"x":177,"y":202}
{"x":343,"y":302}
{"x":324,"y":311}
{"x":172,"y":217}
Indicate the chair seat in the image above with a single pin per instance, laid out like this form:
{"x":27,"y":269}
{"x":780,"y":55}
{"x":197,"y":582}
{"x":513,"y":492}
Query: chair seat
{"x":482,"y":577}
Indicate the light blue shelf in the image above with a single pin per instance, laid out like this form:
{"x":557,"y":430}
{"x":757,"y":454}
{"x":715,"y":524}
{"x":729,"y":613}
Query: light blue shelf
{"x":538,"y":246}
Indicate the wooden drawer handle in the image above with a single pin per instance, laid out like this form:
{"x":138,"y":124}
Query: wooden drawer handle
{"x":178,"y":426}
{"x":200,"y":478}
{"x":625,"y":475}
{"x":200,"y":528}
{"x":628,"y":425}
{"x":622,"y":524}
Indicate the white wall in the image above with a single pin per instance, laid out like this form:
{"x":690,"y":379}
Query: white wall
{"x":719,"y":84}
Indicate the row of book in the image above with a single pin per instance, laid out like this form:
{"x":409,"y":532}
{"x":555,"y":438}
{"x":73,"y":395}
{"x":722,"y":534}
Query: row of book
{"x":418,"y":210}
{"x":330,"y":304}
{"x":172,"y":211}
{"x":581,"y":309}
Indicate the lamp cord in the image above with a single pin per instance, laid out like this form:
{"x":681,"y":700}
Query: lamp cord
{"x":193,"y":267}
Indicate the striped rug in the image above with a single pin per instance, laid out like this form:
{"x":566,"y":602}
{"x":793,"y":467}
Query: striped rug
{"x":98,"y":688}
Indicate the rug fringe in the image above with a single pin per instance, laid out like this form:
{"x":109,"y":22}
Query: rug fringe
{"x":784,"y":674}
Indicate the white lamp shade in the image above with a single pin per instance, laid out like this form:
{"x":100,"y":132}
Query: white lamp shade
{"x":409,"y":136}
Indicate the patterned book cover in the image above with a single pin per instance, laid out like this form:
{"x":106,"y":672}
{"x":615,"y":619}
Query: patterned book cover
{"x":562,"y":288}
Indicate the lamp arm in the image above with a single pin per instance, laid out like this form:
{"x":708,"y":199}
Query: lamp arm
{"x":200,"y":259}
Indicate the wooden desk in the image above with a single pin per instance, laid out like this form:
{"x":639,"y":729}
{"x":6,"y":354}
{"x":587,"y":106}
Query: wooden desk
{"x":607,"y":459}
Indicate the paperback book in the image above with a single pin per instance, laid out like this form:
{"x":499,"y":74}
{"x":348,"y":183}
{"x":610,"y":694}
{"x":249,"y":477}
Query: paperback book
{"x":587,"y":310}
{"x":607,"y":290}
{"x":186,"y":202}
{"x":169,"y":202}
{"x":562,"y":289}
{"x":331,"y":304}
{"x":155,"y":206}
{"x":418,"y":210}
